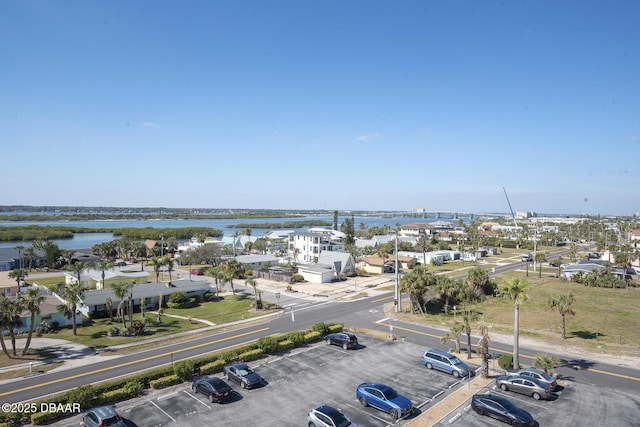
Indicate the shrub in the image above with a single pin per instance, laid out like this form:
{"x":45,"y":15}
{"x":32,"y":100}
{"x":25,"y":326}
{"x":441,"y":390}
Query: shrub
{"x":298,"y":278}
{"x":250,"y":355}
{"x":113,"y":332}
{"x":312,"y":336}
{"x":285,"y":345}
{"x":212,"y":367}
{"x":82,"y":395}
{"x":165,"y":382}
{"x":184,"y":369}
{"x":296,"y":337}
{"x":136,"y":329}
{"x":40,"y":418}
{"x":177,"y":298}
{"x":505,"y":361}
{"x":268,"y":345}
{"x":336,"y":327}
{"x":321,"y":327}
{"x":114,"y":396}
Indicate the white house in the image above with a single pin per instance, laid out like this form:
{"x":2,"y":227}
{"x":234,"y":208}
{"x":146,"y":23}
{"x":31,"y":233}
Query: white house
{"x":305,"y":247}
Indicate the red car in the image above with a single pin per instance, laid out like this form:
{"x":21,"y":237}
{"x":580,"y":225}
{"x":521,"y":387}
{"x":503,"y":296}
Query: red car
{"x":197,"y":272}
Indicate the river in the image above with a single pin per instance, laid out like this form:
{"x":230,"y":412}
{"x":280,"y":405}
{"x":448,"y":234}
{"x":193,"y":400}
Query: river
{"x":88,"y":240}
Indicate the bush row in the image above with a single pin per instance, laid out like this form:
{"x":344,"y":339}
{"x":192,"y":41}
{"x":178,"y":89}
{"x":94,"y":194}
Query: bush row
{"x":106,"y":393}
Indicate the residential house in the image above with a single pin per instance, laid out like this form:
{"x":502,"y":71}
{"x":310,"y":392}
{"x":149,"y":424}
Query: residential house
{"x":257,"y":262}
{"x":342,"y":263}
{"x":378,"y":265}
{"x":417,"y":230}
{"x":49,"y":313}
{"x":305,"y":247}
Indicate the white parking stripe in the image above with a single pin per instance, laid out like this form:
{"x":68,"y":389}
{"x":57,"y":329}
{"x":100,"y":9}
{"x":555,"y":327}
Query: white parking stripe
{"x":383,"y":320}
{"x":196,"y":398}
{"x":163,"y":411}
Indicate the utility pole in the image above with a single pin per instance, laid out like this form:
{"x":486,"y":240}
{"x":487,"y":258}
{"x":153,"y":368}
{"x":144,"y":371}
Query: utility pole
{"x":397,"y":305}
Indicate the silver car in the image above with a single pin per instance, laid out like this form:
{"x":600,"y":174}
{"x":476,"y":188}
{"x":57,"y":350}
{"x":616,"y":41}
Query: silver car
{"x":327,"y":416}
{"x":524,"y":385}
{"x":539,"y":375}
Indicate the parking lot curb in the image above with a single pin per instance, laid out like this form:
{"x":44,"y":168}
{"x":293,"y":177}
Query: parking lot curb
{"x":452,"y":402}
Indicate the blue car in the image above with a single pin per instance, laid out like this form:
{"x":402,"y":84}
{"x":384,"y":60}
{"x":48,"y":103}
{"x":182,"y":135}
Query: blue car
{"x":384,"y":398}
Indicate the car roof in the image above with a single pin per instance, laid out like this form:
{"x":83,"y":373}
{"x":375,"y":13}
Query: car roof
{"x":436,"y":351}
{"x":238,"y":365}
{"x":214,"y":381}
{"x":379,"y":386}
{"x":104,"y":412}
{"x":329,"y":411}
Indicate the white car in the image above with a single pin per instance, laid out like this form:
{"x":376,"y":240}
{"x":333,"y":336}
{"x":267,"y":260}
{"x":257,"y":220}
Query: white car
{"x":469,"y":258}
{"x":327,"y":416}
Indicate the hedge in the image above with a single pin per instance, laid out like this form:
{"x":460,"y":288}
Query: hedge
{"x":250,"y":355}
{"x":336,"y":327}
{"x":312,"y":336}
{"x":165,"y":382}
{"x":285,"y":345}
{"x":212,"y":367}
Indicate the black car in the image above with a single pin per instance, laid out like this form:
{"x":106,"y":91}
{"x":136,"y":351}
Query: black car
{"x":243,"y":375}
{"x":214,"y":388}
{"x":501,"y":409}
{"x":344,"y":339}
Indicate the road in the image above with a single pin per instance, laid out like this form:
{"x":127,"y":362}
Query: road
{"x":366,"y":313}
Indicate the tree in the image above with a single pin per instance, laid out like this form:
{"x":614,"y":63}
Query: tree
{"x":77,"y":268}
{"x":32,"y":302}
{"x":540,"y":258}
{"x":156,"y":263}
{"x":18,"y":274}
{"x":30,"y":255}
{"x":72,"y":293}
{"x":102,"y":265}
{"x":109,"y":306}
{"x":10,"y":318}
{"x":546,"y":362}
{"x":453,"y":334}
{"x":448,"y":289}
{"x":484,"y":350}
{"x":20,"y":250}
{"x":335,"y":220}
{"x":121,"y":290}
{"x":468,"y":317}
{"x":563,"y":304}
{"x":516,"y":291}
{"x":623,"y":261}
{"x":252,"y":282}
{"x":478,"y":278}
{"x":425,"y":246}
{"x":168,"y":261}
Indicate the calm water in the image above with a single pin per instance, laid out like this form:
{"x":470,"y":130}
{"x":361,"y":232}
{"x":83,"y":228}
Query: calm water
{"x":88,"y":240}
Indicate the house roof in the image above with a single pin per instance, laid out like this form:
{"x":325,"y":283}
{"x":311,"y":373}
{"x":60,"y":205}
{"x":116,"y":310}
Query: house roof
{"x":377,"y":261}
{"x":252,"y":259}
{"x":146,"y":290}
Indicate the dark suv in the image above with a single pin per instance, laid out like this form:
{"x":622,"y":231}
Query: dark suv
{"x":344,"y":339}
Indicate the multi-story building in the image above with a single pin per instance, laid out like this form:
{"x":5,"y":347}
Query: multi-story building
{"x":305,"y":246}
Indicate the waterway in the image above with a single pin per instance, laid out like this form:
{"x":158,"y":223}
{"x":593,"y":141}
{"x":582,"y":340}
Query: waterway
{"x":88,"y":240}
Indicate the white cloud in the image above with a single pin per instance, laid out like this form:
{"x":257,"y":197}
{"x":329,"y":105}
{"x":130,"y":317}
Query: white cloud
{"x":367,"y":137}
{"x":150,"y":125}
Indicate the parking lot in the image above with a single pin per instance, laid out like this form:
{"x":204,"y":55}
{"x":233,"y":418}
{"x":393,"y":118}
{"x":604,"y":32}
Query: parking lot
{"x":322,"y":374}
{"x":298,"y":381}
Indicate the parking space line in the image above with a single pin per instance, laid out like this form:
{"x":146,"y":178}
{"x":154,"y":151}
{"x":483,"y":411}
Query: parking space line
{"x":196,"y":398}
{"x":162,"y":410}
{"x":424,"y":403}
{"x":300,"y":363}
{"x":361,"y":409}
{"x":166,"y":396}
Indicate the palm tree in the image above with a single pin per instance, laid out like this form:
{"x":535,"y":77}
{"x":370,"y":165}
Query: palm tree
{"x":425,"y":246}
{"x":30,"y":255}
{"x":477,"y":278}
{"x":121,"y":289}
{"x":484,"y":350}
{"x":448,"y":289}
{"x":18,"y":274}
{"x":143,"y":300}
{"x":72,"y":293}
{"x":5,"y":309}
{"x":156,"y":263}
{"x":546,"y":362}
{"x":10,"y":314}
{"x":516,"y":291}
{"x":109,"y":306}
{"x":623,"y":261}
{"x":468,"y":318}
{"x":32,"y":302}
{"x":252,"y":282}
{"x":168,"y":261}
{"x":77,"y":268}
{"x":102,"y":265}
{"x":453,"y":334}
{"x":383,"y":253}
{"x":540,"y":258}
{"x":67,"y":254}
{"x":20,"y":250}
{"x":563,"y":304}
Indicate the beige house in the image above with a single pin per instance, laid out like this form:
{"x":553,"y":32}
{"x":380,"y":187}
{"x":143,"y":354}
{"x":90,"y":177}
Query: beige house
{"x":375,"y":264}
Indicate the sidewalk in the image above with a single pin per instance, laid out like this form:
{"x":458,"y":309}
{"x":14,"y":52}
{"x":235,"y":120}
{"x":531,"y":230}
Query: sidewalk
{"x":441,"y":409}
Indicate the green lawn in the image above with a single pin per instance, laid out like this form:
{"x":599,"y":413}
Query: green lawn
{"x":605,"y":319}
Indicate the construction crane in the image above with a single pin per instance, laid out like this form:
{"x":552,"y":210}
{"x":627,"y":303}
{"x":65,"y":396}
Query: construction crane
{"x":509,"y":203}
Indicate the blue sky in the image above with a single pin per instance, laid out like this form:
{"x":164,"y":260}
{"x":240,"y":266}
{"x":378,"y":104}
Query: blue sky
{"x":390,"y":105}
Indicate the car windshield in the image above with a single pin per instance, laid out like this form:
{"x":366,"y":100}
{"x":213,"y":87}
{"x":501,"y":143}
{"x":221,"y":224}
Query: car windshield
{"x":110,"y":421}
{"x":455,"y":360}
{"x":389,"y":393}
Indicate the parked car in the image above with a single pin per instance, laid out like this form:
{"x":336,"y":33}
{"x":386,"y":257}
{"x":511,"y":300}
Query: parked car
{"x":121,"y":264}
{"x":384,"y":398}
{"x":501,"y":409}
{"x":524,"y":385}
{"x":469,"y":258}
{"x":214,"y":388}
{"x":445,"y":362}
{"x":345,"y":339}
{"x":538,"y":375}
{"x":527,"y":258}
{"x":243,"y":375}
{"x":197,"y":272}
{"x":327,"y":416}
{"x":102,"y":416}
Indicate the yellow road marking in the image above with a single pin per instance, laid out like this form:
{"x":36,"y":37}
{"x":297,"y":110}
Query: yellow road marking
{"x":383,"y":299}
{"x":130,"y":363}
